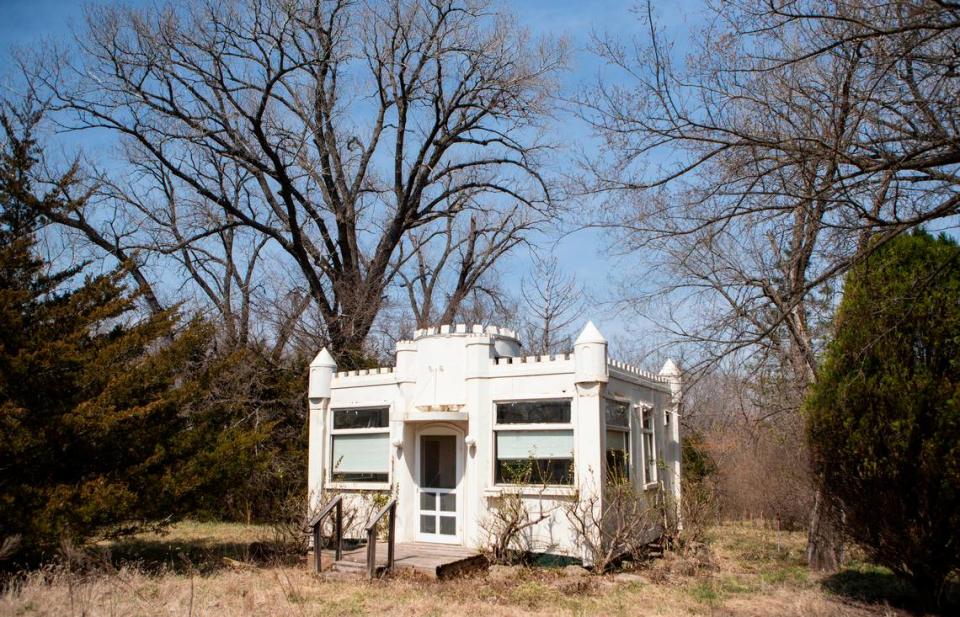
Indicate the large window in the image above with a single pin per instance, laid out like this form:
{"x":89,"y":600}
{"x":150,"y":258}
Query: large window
{"x":617,"y":415}
{"x":360,"y":445}
{"x":649,"y":448}
{"x":534,"y":443}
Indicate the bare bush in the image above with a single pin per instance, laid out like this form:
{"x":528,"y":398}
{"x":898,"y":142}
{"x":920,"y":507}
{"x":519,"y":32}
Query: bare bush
{"x":620,"y":523}
{"x":509,"y":520}
{"x":764,"y":475}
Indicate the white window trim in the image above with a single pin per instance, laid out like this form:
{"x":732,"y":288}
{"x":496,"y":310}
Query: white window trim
{"x":645,"y":468}
{"x":628,"y":430}
{"x":331,"y":432}
{"x":530,"y":426}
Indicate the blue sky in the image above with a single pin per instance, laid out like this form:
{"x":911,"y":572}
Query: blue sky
{"x":583,"y":252}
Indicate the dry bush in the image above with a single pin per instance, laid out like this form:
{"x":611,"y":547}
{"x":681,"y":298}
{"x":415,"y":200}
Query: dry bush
{"x":621,"y":524}
{"x":699,"y":512}
{"x":505,"y":527}
{"x":763,"y":474}
{"x":291,"y":528}
{"x":508,"y":521}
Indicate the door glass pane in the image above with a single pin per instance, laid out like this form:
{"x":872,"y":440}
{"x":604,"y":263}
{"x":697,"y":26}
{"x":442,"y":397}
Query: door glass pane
{"x":448,"y":502}
{"x":428,"y":524}
{"x":428,"y":501}
{"x":448,"y":525}
{"x":438,"y":461}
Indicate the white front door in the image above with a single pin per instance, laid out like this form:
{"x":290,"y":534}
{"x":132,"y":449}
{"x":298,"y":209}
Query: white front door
{"x":438,"y":499}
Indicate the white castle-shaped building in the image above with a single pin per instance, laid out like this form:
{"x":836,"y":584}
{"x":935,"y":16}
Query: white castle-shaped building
{"x":463,"y":418}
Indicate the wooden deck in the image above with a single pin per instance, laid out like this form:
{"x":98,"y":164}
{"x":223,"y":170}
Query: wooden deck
{"x":436,"y":561}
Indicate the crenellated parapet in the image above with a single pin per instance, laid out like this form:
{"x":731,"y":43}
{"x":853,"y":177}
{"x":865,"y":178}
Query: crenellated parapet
{"x":623,"y":367}
{"x":466,"y":330}
{"x":380,"y":370}
{"x":531,"y":359}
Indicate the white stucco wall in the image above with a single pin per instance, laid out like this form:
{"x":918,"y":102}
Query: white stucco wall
{"x":452,"y":378}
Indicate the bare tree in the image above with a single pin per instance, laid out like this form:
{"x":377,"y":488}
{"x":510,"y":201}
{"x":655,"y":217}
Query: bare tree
{"x":219,"y":258}
{"x":552,"y":301}
{"x":446,"y":264}
{"x":351,"y":123}
{"x":800,"y":136}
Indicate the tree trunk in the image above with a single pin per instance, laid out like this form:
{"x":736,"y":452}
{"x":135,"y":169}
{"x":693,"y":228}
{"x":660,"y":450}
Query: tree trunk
{"x":824,"y":541}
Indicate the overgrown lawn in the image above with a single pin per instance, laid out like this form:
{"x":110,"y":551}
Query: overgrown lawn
{"x":218,"y":569}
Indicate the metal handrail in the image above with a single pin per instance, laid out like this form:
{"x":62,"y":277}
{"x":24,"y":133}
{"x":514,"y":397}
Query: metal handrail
{"x":391,"y":507}
{"x":317,"y":523}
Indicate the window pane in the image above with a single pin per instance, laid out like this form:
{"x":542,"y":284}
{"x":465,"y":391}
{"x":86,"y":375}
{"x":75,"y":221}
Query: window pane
{"x":428,"y":501}
{"x":438,"y":461}
{"x":448,"y":502}
{"x":364,"y":453}
{"x":534,"y":412}
{"x":448,"y":525}
{"x":617,"y":465}
{"x":617,"y":440}
{"x":535,"y":471}
{"x":361,"y":418}
{"x":428,"y":523}
{"x":618,"y":413}
{"x":516,"y":445}
{"x":617,"y":454}
{"x":649,"y":454}
{"x":360,"y":477}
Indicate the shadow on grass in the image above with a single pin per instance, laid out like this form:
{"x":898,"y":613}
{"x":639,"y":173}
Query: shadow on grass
{"x":201,"y":556}
{"x":876,"y":585}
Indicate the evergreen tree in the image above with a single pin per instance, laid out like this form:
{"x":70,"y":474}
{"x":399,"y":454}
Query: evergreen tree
{"x":884,"y":418}
{"x":97,"y":403}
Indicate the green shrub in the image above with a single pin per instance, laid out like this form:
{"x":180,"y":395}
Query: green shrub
{"x":884,"y":416}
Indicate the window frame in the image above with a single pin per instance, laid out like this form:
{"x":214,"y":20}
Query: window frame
{"x":626,"y":430}
{"x":560,"y":427}
{"x":332,"y":433}
{"x":648,"y":464}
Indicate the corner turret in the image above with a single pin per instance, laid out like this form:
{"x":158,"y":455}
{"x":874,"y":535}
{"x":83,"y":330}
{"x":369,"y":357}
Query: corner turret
{"x":322,"y":370}
{"x":590,"y":354}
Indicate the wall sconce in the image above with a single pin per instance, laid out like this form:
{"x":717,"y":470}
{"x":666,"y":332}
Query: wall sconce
{"x":398,"y":444}
{"x":471,"y":443}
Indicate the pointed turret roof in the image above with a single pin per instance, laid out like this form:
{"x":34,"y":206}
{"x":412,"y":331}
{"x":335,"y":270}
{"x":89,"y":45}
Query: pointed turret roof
{"x":670,"y":369}
{"x":590,"y":334}
{"x":324,"y":359}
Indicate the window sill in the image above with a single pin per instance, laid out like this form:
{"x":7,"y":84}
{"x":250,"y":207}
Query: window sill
{"x":548,"y":491}
{"x":359,"y":486}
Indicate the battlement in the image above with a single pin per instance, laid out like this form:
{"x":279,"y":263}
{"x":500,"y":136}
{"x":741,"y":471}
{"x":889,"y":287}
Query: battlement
{"x":633,"y":370}
{"x":531,"y":359}
{"x":381,"y":370}
{"x":466,"y":330}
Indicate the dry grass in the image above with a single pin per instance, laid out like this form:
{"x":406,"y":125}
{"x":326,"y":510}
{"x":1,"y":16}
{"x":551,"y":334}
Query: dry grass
{"x":750,"y":571}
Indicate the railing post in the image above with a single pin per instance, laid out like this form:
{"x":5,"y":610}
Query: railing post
{"x":392,"y":524}
{"x":339,"y":538}
{"x":317,"y":531}
{"x":372,"y":551}
{"x":317,"y":548}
